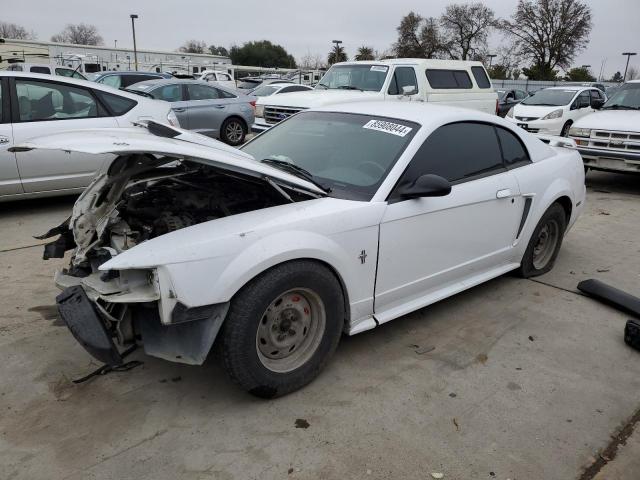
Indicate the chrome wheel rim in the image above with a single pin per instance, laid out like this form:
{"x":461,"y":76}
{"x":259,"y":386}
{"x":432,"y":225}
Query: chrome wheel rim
{"x":290,"y":330}
{"x":234,"y":131}
{"x":546,"y":242}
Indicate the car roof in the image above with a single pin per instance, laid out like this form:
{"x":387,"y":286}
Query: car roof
{"x":131,"y":72}
{"x":570,"y":87}
{"x":432,"y":62}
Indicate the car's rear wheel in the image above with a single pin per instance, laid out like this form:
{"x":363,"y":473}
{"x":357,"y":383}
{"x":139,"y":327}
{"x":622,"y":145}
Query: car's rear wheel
{"x":545,"y":243}
{"x":282,"y":328}
{"x":233,"y":131}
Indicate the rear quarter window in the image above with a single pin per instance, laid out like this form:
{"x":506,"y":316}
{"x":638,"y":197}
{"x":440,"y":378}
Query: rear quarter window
{"x":449,"y":79}
{"x":481,"y":77}
{"x":40,"y":70}
{"x":115,"y":103}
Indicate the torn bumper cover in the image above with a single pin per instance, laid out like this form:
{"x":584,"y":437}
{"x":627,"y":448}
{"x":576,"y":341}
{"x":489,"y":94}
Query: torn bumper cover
{"x":104,"y":315}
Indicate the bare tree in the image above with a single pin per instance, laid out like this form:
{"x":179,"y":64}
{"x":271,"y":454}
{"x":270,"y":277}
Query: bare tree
{"x":549,"y":33}
{"x":633,"y":73}
{"x":419,"y":37}
{"x":365,"y":53}
{"x":79,"y":34}
{"x":311,"y":61}
{"x":193,"y":46}
{"x":18,"y":32}
{"x":465,"y":29}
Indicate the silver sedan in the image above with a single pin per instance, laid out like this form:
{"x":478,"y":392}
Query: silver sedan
{"x":208,"y":109}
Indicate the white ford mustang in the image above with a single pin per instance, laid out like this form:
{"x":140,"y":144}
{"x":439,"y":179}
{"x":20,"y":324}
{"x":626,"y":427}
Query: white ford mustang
{"x":338,"y":219}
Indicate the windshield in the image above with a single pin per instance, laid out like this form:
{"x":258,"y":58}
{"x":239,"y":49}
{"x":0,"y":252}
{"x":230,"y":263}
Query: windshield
{"x":368,"y":78}
{"x":628,"y":96}
{"x":265,"y":90}
{"x":348,"y":153}
{"x":550,"y":97}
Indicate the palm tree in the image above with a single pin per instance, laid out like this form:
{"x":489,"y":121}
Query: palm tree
{"x":365,"y":53}
{"x":336,"y":55}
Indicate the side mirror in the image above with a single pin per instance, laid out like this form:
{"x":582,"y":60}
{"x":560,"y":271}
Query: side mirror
{"x":597,"y":103}
{"x":409,"y":90}
{"x":426,"y":186}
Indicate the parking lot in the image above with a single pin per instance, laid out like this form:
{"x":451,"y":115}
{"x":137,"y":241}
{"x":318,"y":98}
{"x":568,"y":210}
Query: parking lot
{"x":512,"y":379}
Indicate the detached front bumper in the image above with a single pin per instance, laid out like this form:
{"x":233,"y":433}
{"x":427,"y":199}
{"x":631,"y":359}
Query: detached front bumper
{"x":610,"y":160}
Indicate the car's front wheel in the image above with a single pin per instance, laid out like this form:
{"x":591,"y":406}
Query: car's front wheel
{"x":282,"y":328}
{"x":545,"y":243}
{"x":233,"y":131}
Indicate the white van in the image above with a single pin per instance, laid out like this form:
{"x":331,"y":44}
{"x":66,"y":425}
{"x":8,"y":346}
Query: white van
{"x":46,"y":69}
{"x":450,"y":82}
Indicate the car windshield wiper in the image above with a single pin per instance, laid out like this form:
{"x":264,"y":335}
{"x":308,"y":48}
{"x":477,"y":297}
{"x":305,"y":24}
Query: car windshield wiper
{"x":295,"y":170}
{"x":324,"y":85}
{"x":620,"y":107}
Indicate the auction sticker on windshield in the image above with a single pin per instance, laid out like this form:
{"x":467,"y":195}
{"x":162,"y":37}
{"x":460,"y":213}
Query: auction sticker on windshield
{"x":378,"y":68}
{"x":388,"y":127}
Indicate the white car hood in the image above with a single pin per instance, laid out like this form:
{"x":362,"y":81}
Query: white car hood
{"x":185,"y":145}
{"x":535,"y":111}
{"x":620,"y":120}
{"x":317,"y":98}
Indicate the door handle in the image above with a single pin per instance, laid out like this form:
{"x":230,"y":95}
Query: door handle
{"x":4,"y":140}
{"x":179,"y":110}
{"x":504,"y":193}
{"x":219,"y":106}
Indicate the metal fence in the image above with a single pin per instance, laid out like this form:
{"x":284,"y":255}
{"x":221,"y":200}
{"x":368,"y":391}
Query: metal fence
{"x":534,"y":85}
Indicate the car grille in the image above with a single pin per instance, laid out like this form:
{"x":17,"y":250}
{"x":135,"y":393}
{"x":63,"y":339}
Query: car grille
{"x":276,"y":114}
{"x":527,"y":119}
{"x":615,"y":141}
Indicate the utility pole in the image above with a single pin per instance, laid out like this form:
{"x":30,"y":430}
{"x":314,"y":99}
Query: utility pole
{"x":629,"y":55}
{"x":115,"y":44}
{"x":133,"y":29}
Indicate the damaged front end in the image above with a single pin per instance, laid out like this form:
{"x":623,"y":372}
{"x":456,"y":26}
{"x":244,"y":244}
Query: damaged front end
{"x":139,"y":198}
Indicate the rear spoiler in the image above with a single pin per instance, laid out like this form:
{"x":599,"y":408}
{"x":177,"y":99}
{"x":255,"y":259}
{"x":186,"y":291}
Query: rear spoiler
{"x":556,"y":141}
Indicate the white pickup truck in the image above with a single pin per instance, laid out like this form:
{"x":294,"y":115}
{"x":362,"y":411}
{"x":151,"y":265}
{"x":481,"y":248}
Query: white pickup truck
{"x":449,"y":82}
{"x":610,"y":138}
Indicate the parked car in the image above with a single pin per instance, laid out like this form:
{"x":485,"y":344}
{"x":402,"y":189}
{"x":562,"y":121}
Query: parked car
{"x":126,"y":79}
{"x":508,"y":99}
{"x":553,"y":110}
{"x":610,"y":138}
{"x":249,"y":83}
{"x":46,"y":69}
{"x":278,"y":87}
{"x":208,"y":109}
{"x":223,"y":79}
{"x":337,"y":220}
{"x":597,"y":85}
{"x":450,"y":82}
{"x":38,"y":104}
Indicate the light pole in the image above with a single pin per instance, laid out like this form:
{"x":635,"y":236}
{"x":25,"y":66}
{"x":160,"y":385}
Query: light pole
{"x":133,"y":29}
{"x":629,"y":55}
{"x":491,"y":57}
{"x":337,"y":44}
{"x":115,"y":44}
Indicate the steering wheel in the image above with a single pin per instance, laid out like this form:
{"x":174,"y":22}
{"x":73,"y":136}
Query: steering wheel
{"x":371,"y":167}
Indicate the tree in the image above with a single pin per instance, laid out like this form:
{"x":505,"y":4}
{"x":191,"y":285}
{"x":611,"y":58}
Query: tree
{"x":465,"y":29}
{"x":79,"y":34}
{"x":18,"y":32}
{"x":579,"y":74}
{"x":536,"y":72}
{"x":499,"y":72}
{"x":213,"y":50}
{"x":418,"y":37}
{"x":261,"y":53}
{"x":336,"y":55}
{"x":193,"y":46}
{"x":633,"y":73}
{"x":549,"y":33}
{"x":311,"y":62}
{"x":617,"y":77}
{"x":365,"y":53}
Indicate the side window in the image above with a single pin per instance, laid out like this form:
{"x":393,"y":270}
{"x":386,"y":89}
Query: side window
{"x":225,"y":77}
{"x":117,"y":104}
{"x":79,"y":76}
{"x":52,"y":101}
{"x":583,"y":100}
{"x":202,"y":92}
{"x":520,"y":95}
{"x":293,"y":88}
{"x":129,"y":80}
{"x":449,"y":79}
{"x":225,"y":94}
{"x":46,"y":70}
{"x":513,"y":151}
{"x":168,"y":93}
{"x":112,"y":81}
{"x":457,"y":152}
{"x":403,"y":77}
{"x":481,"y":77}
{"x":64,"y":72}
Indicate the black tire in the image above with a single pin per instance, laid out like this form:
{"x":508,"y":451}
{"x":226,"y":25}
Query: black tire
{"x":534,"y":264}
{"x":241,"y":333}
{"x":565,"y":129}
{"x":233,"y":131}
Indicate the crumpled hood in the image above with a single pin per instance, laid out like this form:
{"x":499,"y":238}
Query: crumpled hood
{"x":317,"y":98}
{"x":619,"y":120}
{"x":169,"y":141}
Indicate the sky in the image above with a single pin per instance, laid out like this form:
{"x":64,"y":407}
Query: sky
{"x":301,"y":27}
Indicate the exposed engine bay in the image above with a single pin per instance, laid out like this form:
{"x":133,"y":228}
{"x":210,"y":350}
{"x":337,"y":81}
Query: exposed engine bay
{"x":143,"y":197}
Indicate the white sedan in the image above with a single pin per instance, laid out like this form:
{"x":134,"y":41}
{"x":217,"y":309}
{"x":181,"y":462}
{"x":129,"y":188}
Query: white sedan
{"x":553,"y":111}
{"x":337,"y":220}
